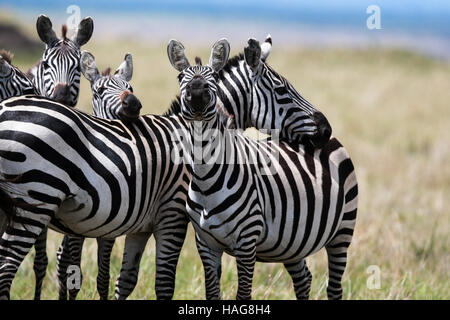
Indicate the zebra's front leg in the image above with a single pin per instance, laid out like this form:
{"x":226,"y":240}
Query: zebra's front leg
{"x":169,"y":242}
{"x":245,"y":262}
{"x":212,"y":265}
{"x":104,"y":250}
{"x":132,"y":254}
{"x":15,"y":243}
{"x":40,"y":262}
{"x":301,"y":277}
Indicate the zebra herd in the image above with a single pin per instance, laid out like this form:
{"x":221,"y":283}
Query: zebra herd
{"x":117,"y":172}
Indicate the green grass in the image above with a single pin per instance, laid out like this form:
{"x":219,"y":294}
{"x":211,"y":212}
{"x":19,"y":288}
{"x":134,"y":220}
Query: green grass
{"x":391,"y":111}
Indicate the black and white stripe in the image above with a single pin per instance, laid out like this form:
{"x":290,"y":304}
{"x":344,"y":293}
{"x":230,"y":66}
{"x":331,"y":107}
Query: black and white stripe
{"x":307,"y":202}
{"x":56,"y":76}
{"x":110,"y":101}
{"x":13,"y":82}
{"x":90,"y":177}
{"x":258,"y":96}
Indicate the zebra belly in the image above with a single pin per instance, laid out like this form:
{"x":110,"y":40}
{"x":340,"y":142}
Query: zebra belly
{"x":302,"y":218}
{"x":215,"y":238}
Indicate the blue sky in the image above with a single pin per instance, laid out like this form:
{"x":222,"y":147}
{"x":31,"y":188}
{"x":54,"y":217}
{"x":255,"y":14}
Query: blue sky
{"x":413,"y":24}
{"x":409,"y":15}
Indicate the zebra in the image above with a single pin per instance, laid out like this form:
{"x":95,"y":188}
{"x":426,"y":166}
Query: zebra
{"x":112,"y":98}
{"x":86,"y":176}
{"x":257,"y":96}
{"x":308,"y":201}
{"x":13,"y":82}
{"x":57,"y":74}
{"x":236,"y":81}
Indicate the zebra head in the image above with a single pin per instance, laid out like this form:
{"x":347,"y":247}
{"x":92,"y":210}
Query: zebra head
{"x":12,"y":81}
{"x":198,"y":84}
{"x":58,"y":74}
{"x":113,"y":96}
{"x":277,"y":105}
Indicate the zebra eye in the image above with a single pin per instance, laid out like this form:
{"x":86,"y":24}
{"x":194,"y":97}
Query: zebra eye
{"x":180,"y":77}
{"x":101,"y":90}
{"x":280,"y":90}
{"x":45,"y":64}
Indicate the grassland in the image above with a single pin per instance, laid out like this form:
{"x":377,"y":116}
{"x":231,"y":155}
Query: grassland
{"x":391,"y":109}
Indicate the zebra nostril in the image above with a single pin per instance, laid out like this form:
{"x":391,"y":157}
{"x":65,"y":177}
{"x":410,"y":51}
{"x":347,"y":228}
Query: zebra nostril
{"x":131,"y":106}
{"x":61,"y":93}
{"x":326,"y":132}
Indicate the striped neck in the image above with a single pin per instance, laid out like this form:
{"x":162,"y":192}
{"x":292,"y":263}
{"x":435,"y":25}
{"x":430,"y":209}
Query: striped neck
{"x":236,"y":99}
{"x":210,"y":145}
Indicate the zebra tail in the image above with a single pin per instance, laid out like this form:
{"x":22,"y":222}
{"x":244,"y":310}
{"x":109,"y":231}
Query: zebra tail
{"x":8,"y":207}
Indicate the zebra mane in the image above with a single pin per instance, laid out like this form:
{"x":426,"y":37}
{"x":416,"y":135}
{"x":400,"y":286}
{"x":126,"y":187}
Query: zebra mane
{"x":64,"y":31}
{"x":106,"y":72}
{"x":7,"y":55}
{"x":232,"y":62}
{"x":175,"y":107}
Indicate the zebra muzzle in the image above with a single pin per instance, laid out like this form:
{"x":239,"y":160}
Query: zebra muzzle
{"x":62,"y":94}
{"x":131,"y":107}
{"x":323,"y":130}
{"x":197,"y":94}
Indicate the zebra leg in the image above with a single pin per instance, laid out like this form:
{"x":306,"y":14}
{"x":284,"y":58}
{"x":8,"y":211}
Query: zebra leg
{"x":17,"y":240}
{"x":105,"y":247}
{"x":169,"y":242}
{"x":212,"y":264}
{"x":337,"y":261}
{"x":63,"y":260}
{"x":132,"y":254}
{"x":301,"y":277}
{"x":40,"y":262}
{"x":75,"y":249}
{"x":245,"y":261}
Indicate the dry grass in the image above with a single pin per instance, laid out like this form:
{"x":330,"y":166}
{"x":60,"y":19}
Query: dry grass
{"x":391,"y":111}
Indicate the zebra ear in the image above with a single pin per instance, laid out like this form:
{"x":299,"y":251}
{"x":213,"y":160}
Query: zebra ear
{"x":219,"y":54}
{"x":266,"y":48}
{"x":4,"y":66}
{"x":125,"y":70}
{"x":252,"y":53}
{"x":84,"y":31}
{"x":89,"y":67}
{"x":45,"y":30}
{"x":177,"y":57}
